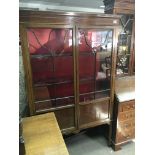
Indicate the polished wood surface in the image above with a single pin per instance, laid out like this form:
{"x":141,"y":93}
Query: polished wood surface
{"x":94,"y":112}
{"x":27,"y":69}
{"x":125,"y":88}
{"x":42,"y":136}
{"x":126,"y":124}
{"x":65,"y":118}
{"x":69,"y":18}
{"x":123,"y":124}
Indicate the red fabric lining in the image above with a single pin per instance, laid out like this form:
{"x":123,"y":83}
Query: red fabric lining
{"x":42,"y":67}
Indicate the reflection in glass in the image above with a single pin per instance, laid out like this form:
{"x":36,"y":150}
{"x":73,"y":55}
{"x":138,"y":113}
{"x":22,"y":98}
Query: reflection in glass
{"x":95,"y":47}
{"x":124,"y":43}
{"x":51,"y":55}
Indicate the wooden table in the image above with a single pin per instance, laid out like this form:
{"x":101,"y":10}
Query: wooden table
{"x":42,"y":136}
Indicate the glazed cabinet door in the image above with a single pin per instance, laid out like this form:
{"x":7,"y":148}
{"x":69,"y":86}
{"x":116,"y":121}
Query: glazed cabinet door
{"x":125,"y":52}
{"x":51,"y":58}
{"x":94,"y":50}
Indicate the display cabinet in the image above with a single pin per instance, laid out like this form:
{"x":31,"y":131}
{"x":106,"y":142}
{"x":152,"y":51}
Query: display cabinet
{"x":126,"y":50}
{"x":69,"y":61}
{"x":125,"y":69}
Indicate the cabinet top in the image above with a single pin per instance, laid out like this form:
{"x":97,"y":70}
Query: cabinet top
{"x":125,"y":88}
{"x":68,"y":18}
{"x":64,"y":13}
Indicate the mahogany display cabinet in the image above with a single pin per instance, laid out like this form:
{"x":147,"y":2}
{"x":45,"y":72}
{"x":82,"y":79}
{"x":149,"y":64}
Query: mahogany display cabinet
{"x":69,"y":61}
{"x":126,"y":45}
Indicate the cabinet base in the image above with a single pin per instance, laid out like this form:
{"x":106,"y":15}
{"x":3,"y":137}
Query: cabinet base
{"x":116,"y":147}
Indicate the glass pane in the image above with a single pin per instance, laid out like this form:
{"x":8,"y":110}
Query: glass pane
{"x":100,"y":84}
{"x":64,"y":90}
{"x":95,"y":49}
{"x":64,"y":101}
{"x":44,"y":93}
{"x":55,"y":95}
{"x":86,"y":66}
{"x":51,"y":54}
{"x":49,"y":41}
{"x":101,"y":94}
{"x":42,"y":69}
{"x":63,"y":67}
{"x":123,"y":64}
{"x":44,"y":105}
{"x":86,"y":89}
{"x":124,"y":45}
{"x":103,"y":64}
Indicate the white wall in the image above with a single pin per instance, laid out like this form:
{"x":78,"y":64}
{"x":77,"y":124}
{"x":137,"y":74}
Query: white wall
{"x":44,"y":7}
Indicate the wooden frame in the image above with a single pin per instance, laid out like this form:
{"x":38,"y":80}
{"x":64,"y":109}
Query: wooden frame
{"x":27,"y":68}
{"x":68,"y":20}
{"x":114,"y":53}
{"x":132,"y":50}
{"x":26,"y":59}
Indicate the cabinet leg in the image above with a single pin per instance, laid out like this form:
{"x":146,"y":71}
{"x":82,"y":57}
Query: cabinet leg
{"x":116,"y":147}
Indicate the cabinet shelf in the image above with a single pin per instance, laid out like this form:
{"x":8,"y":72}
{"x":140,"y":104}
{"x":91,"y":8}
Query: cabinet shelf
{"x":99,"y":91}
{"x":55,"y":108}
{"x":72,"y":97}
{"x":67,"y":54}
{"x":53,"y":83}
{"x":54,"y":99}
{"x":86,"y":53}
{"x":92,"y":79}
